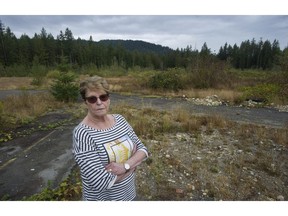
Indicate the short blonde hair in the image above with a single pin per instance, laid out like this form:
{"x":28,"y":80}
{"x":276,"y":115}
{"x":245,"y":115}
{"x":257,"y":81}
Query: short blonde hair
{"x":93,"y":83}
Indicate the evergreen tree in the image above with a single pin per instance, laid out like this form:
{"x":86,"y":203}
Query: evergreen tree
{"x":50,"y":47}
{"x":276,"y":52}
{"x":68,"y":44}
{"x":25,"y":50}
{"x":205,"y":51}
{"x":259,"y":54}
{"x":266,"y":55}
{"x":38,"y":43}
{"x":3,"y":55}
{"x":10,"y":47}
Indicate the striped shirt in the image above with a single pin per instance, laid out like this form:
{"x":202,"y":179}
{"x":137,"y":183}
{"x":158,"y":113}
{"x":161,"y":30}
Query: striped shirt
{"x":93,"y":149}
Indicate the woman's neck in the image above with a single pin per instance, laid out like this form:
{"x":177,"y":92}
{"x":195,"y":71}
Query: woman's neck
{"x":97,"y":119}
{"x":98,"y":122}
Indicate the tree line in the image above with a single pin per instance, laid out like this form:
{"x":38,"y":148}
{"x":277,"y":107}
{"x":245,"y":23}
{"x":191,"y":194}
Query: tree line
{"x":43,"y":49}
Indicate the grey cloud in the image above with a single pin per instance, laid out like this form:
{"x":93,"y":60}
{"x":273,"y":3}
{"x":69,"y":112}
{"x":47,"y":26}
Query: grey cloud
{"x":175,"y":31}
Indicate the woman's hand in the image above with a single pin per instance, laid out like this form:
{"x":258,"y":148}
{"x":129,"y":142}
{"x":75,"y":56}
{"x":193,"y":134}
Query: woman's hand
{"x":119,"y":170}
{"x":116,"y":168}
{"x":123,"y":176}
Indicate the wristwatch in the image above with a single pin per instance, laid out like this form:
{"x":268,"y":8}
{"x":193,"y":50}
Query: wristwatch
{"x":127,"y":167}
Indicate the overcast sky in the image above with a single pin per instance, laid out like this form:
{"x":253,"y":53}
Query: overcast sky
{"x":174,"y":31}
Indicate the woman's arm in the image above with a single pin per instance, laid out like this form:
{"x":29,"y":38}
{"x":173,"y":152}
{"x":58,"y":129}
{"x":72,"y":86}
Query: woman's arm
{"x":124,"y":175}
{"x":134,"y":161}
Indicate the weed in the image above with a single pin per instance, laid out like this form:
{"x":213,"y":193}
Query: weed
{"x":69,"y":189}
{"x":262,"y":92}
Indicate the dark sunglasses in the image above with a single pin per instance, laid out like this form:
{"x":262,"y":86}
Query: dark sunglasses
{"x":93,"y":99}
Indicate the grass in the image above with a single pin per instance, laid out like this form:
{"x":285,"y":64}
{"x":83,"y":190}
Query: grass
{"x":15,"y":83}
{"x":22,"y":109}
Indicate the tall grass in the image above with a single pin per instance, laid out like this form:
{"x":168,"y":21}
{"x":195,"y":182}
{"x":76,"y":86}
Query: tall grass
{"x":24,"y":108}
{"x":7,"y":83}
{"x":149,"y":122}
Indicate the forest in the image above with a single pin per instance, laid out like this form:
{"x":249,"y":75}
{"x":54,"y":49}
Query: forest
{"x":18,"y":55}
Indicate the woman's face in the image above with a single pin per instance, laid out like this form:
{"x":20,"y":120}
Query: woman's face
{"x":97,"y":102}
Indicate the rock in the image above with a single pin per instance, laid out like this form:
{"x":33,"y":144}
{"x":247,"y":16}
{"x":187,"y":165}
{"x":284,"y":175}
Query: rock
{"x":208,"y":101}
{"x":282,"y":108}
{"x":179,"y":191}
{"x":280,"y":198}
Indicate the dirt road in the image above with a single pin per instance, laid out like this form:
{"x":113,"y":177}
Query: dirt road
{"x":29,"y":163}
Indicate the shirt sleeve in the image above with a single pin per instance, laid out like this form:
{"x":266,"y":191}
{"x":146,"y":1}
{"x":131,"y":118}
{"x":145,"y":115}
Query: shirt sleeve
{"x":135,"y":139}
{"x":93,"y":172}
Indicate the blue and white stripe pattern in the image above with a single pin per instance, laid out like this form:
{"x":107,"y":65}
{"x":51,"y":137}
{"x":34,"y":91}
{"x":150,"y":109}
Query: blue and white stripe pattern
{"x":91,"y":156}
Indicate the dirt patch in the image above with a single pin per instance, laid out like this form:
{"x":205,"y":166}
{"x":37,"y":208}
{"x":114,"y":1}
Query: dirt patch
{"x":214,"y":166}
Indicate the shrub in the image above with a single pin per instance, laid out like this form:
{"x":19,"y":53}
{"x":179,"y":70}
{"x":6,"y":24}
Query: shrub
{"x":38,"y":72}
{"x":209,"y":73}
{"x":15,"y":71}
{"x":64,"y":88}
{"x":283,"y":93}
{"x":263,"y":92}
{"x":167,"y":80}
{"x":2,"y":119}
{"x":53,"y":74}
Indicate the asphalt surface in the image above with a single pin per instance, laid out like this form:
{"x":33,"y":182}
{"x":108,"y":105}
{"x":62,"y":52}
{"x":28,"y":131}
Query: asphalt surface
{"x":269,"y":117}
{"x":32,"y":162}
{"x":6,"y":93}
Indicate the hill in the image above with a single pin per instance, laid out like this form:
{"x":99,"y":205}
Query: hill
{"x":138,"y":45}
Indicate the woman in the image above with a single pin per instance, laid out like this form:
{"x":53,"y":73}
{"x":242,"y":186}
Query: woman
{"x":105,"y":147}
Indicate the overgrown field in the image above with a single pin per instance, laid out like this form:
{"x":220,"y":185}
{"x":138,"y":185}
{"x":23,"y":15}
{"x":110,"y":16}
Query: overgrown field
{"x":192,"y":157}
{"x":199,"y":158}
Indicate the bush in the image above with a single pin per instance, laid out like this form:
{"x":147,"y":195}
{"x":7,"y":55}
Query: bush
{"x":2,"y":120}
{"x":14,"y":71}
{"x":53,"y":74}
{"x":263,"y":92}
{"x":283,"y":93}
{"x":38,"y":74}
{"x":167,"y":80}
{"x":209,"y":73}
{"x":64,"y":89}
